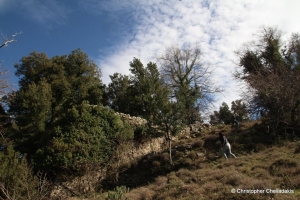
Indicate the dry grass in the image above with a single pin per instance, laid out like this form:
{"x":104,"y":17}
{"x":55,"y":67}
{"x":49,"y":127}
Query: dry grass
{"x":197,"y":143}
{"x":202,"y":172}
{"x":210,"y":176}
{"x":142,"y":193}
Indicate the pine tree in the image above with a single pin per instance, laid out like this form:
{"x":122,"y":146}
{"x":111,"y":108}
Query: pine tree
{"x":147,"y":90}
{"x":116,"y":93}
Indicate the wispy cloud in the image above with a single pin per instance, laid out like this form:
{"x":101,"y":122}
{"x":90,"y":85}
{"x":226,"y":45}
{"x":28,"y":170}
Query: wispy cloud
{"x":107,"y":6}
{"x":5,"y":6}
{"x":46,"y":13}
{"x":220,"y":27}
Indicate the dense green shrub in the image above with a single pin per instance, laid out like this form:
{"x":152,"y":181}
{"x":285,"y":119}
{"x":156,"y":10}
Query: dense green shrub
{"x":89,"y":136}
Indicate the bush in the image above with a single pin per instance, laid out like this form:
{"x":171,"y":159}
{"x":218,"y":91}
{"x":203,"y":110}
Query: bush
{"x":90,"y":138}
{"x":18,"y":180}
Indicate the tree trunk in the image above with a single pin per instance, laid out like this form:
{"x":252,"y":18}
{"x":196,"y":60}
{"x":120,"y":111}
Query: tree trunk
{"x":170,"y":149}
{"x":168,"y":138}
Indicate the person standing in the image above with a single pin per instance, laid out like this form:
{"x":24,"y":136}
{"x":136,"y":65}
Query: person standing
{"x":225,"y":146}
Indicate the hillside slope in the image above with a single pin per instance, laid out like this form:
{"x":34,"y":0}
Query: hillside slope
{"x":200,"y":172}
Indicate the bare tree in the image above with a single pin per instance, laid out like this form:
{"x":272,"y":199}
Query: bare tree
{"x":188,"y":78}
{"x":3,"y":73}
{"x":6,"y":40}
{"x":26,"y":185}
{"x":4,"y":86}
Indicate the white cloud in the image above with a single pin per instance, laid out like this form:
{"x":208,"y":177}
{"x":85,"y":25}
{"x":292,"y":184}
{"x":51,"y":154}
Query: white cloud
{"x":220,"y":27}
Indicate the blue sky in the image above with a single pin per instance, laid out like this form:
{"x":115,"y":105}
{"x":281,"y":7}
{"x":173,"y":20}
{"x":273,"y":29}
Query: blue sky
{"x":112,"y":32}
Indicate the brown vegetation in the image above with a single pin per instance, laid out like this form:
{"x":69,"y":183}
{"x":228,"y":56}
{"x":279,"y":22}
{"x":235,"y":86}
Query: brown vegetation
{"x":202,"y":173}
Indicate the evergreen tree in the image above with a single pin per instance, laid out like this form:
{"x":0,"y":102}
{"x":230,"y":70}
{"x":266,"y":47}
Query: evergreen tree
{"x":225,"y":114}
{"x":240,"y":108}
{"x":147,"y":91}
{"x":53,"y":120}
{"x":142,"y":94}
{"x":152,"y":98}
{"x":215,"y":118}
{"x":117,"y":93}
{"x":171,"y":121}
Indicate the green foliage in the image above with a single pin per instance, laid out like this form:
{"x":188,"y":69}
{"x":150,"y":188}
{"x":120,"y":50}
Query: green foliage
{"x":58,"y":118}
{"x":170,"y":121}
{"x":221,"y":116}
{"x":143,"y":93}
{"x":214,"y":118}
{"x":170,"y":118}
{"x":117,"y":193}
{"x":116,"y":95}
{"x":225,"y":114}
{"x":18,"y":180}
{"x":270,"y":67}
{"x":147,"y":90}
{"x":240,"y":108}
{"x":147,"y":96}
{"x":188,"y":96}
{"x":89,"y":136}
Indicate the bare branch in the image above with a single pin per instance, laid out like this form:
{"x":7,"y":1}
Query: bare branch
{"x":189,"y":78}
{"x":5,"y":191}
{"x":6,"y":40}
